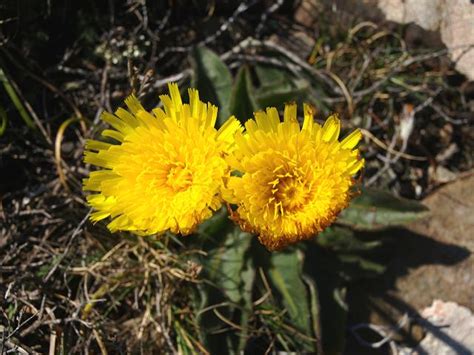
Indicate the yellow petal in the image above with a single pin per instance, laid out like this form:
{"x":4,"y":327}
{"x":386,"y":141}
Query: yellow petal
{"x":194,"y":102}
{"x":211,"y":115}
{"x":351,"y":140}
{"x":308,"y":122}
{"x":133,"y":104}
{"x":273,"y":118}
{"x":227,"y":132}
{"x":331,"y":129}
{"x":290,"y":113}
{"x":92,"y":144}
{"x":126,"y":117}
{"x":355,"y":167}
{"x":115,"y":122}
{"x":113,"y":134}
{"x":262,"y":121}
{"x":175,"y":96}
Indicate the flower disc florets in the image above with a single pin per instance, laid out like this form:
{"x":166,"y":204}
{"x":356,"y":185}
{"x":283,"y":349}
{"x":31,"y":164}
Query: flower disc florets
{"x":167,"y":169}
{"x":290,"y":182}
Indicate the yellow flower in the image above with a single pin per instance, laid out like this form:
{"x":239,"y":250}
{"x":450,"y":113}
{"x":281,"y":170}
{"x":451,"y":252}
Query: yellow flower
{"x":167,"y":169}
{"x":290,"y":182}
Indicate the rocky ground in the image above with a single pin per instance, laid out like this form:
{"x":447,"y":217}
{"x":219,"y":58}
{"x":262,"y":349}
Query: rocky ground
{"x":430,"y":260}
{"x":396,"y":81}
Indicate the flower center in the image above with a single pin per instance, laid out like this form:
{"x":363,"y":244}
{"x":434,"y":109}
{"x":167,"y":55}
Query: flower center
{"x":179,"y":177}
{"x":289,"y":192}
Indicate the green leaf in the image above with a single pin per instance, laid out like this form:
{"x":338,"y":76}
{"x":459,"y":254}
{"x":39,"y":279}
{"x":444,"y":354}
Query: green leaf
{"x":3,"y":121}
{"x":323,"y":266}
{"x":242,"y":104}
{"x":314,"y":307}
{"x":351,"y":252}
{"x":360,"y":267}
{"x":213,"y":80}
{"x":375,"y":209}
{"x":334,"y":333}
{"x":286,"y":275}
{"x":270,"y":76}
{"x":278,"y":86}
{"x":228,"y":263}
{"x":343,"y":239}
{"x":232,"y":274}
{"x":248,"y":278}
{"x":232,"y":266}
{"x":211,"y":227}
{"x":8,"y":86}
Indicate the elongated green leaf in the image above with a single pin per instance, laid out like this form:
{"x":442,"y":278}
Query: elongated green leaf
{"x":315,"y":313}
{"x":323,"y":266}
{"x":213,"y":79}
{"x":358,"y":267}
{"x":375,"y":209}
{"x":228,"y":266}
{"x":242,"y":103}
{"x":271,"y":76}
{"x":343,"y":239}
{"x":16,"y":99}
{"x":352,"y":252}
{"x":286,"y":275}
{"x":233,"y":266}
{"x":277,"y":87}
{"x":219,"y":223}
{"x":3,"y":121}
{"x":248,"y":277}
{"x":334,"y":333}
{"x":230,"y":270}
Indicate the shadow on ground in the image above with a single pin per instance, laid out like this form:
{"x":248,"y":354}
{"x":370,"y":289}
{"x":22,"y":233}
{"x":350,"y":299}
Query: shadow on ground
{"x":432,"y":259}
{"x":380,"y":301}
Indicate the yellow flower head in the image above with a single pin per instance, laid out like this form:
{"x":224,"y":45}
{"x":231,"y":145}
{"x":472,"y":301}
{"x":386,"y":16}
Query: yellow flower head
{"x":290,"y":183}
{"x":167,"y":169}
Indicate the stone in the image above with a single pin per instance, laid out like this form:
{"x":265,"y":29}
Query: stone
{"x":457,"y":32}
{"x":450,"y":330}
{"x":425,"y":13}
{"x":454,"y":19}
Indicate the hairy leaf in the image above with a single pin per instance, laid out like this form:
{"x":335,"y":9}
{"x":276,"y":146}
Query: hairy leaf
{"x":375,"y":209}
{"x":213,"y":80}
{"x":278,"y":87}
{"x":242,"y":103}
{"x":286,"y":275}
{"x":343,"y":239}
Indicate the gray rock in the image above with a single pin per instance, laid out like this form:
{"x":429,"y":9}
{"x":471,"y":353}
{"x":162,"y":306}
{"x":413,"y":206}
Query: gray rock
{"x":454,"y":19}
{"x":450,"y":330}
